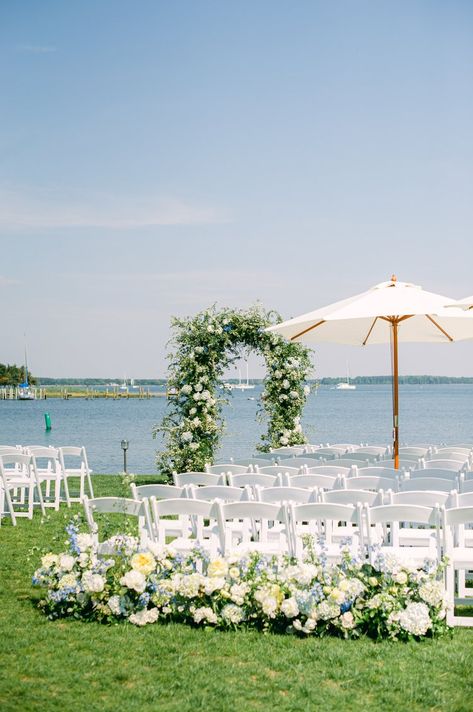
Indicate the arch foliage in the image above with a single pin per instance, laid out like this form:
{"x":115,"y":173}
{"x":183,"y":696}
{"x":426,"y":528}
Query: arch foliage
{"x":203,"y":347}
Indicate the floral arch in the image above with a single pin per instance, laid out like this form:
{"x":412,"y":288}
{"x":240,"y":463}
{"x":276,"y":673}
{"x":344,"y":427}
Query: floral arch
{"x":203,"y":347}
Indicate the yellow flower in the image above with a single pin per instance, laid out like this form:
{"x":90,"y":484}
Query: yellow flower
{"x":217,"y":567}
{"x":401,"y":577}
{"x":373,"y":581}
{"x":144,"y":562}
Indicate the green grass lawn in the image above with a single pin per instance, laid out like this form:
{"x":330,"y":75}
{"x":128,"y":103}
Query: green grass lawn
{"x":68,"y":665}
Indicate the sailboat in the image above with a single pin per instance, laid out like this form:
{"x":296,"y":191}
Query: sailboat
{"x":24,"y":390}
{"x":124,"y":385}
{"x":346,"y":385}
{"x":241,"y":386}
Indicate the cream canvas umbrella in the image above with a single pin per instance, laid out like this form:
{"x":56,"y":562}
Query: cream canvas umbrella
{"x":389,"y":312}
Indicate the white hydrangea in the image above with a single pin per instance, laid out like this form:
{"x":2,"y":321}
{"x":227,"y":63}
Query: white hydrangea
{"x":144,"y":617}
{"x":84,"y":541}
{"x":347,"y":620}
{"x":134,"y":580}
{"x":49,"y":560}
{"x":194,"y":446}
{"x":69,"y":581}
{"x":415,"y":619}
{"x":232,"y":613}
{"x":432,"y":592}
{"x":114,"y":605}
{"x":286,"y":384}
{"x":238,"y":592}
{"x":189,"y":585}
{"x":198,"y":387}
{"x":93,"y":583}
{"x":186,"y":389}
{"x":306,"y":390}
{"x":290,"y":608}
{"x":66,"y":562}
{"x":327,"y":610}
{"x":187,"y":436}
{"x":302,"y":573}
{"x":293,"y":395}
{"x":204,"y":614}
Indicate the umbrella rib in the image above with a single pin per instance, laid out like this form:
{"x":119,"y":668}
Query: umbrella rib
{"x":314,"y":326}
{"x":450,"y":338}
{"x":369,"y":332}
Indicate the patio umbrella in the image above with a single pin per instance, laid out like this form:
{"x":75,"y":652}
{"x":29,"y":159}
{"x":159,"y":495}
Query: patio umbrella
{"x":388,"y":312}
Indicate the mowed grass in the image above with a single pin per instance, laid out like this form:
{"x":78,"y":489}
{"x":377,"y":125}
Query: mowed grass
{"x":68,"y":665}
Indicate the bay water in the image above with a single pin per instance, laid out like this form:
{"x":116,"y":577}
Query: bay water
{"x":428,"y":414}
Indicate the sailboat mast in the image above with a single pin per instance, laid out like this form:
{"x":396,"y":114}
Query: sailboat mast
{"x":26,"y":368}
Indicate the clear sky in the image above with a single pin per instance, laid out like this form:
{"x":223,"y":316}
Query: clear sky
{"x":158,"y":157}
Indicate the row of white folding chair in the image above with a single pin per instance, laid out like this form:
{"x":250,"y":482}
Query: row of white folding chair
{"x":50,"y":471}
{"x":70,"y":461}
{"x":19,"y":485}
{"x":294,"y":520}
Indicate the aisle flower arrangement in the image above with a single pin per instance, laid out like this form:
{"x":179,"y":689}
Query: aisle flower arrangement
{"x":277,"y":594}
{"x":204,"y":346}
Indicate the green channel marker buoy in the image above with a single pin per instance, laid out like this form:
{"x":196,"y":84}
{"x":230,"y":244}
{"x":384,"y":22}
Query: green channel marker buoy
{"x":47,"y":420}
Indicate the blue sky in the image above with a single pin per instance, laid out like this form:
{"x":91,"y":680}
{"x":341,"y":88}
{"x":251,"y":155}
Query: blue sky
{"x":159,"y":157}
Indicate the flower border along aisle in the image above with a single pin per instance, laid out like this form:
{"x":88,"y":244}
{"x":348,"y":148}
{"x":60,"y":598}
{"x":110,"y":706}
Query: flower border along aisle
{"x":204,"y":347}
{"x":277,"y":594}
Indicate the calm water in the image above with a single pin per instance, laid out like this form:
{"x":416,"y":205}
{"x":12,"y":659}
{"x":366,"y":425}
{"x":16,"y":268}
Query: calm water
{"x":434,"y":414}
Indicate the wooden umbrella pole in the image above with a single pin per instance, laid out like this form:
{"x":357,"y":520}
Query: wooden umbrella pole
{"x":395,"y":395}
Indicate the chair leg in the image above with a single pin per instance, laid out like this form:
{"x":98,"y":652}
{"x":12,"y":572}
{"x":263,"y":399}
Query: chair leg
{"x":89,"y":482}
{"x":66,"y":490}
{"x":10,"y":506}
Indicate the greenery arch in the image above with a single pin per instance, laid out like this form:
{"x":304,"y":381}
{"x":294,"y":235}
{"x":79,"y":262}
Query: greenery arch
{"x":203,"y":348}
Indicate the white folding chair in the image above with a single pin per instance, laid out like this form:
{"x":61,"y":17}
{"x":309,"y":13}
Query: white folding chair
{"x":459,"y":560}
{"x":277,"y":470}
{"x":379,"y":470}
{"x":394,"y":517}
{"x":177,"y":527}
{"x":224,"y":468}
{"x":282,"y":495}
{"x":370,"y":483}
{"x":435,"y":484}
{"x":252,"y":479}
{"x":74,"y":464}
{"x":50,"y":472}
{"x":138,"y":509}
{"x":351,"y":496}
{"x":299,"y":462}
{"x":19,"y":482}
{"x":452,"y":464}
{"x":196,"y":533}
{"x":323,"y":519}
{"x":198,"y":478}
{"x":331,"y":470}
{"x":261,"y":518}
{"x":444,"y":474}
{"x":311,"y":481}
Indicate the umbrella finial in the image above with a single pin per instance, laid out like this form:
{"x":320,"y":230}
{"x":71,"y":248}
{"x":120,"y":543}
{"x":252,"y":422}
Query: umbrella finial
{"x":393,"y":278}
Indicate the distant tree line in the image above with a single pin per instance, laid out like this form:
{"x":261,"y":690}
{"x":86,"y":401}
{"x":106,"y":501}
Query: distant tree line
{"x":377,"y":380}
{"x":12,"y":375}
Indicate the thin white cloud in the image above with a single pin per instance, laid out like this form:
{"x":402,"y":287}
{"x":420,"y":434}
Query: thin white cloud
{"x":36,"y":49}
{"x":36,"y":210}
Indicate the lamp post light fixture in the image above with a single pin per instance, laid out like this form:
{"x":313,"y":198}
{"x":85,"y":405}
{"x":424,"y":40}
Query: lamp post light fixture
{"x":124,"y":444}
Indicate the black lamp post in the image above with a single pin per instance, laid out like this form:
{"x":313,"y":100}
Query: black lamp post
{"x":124,"y":444}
